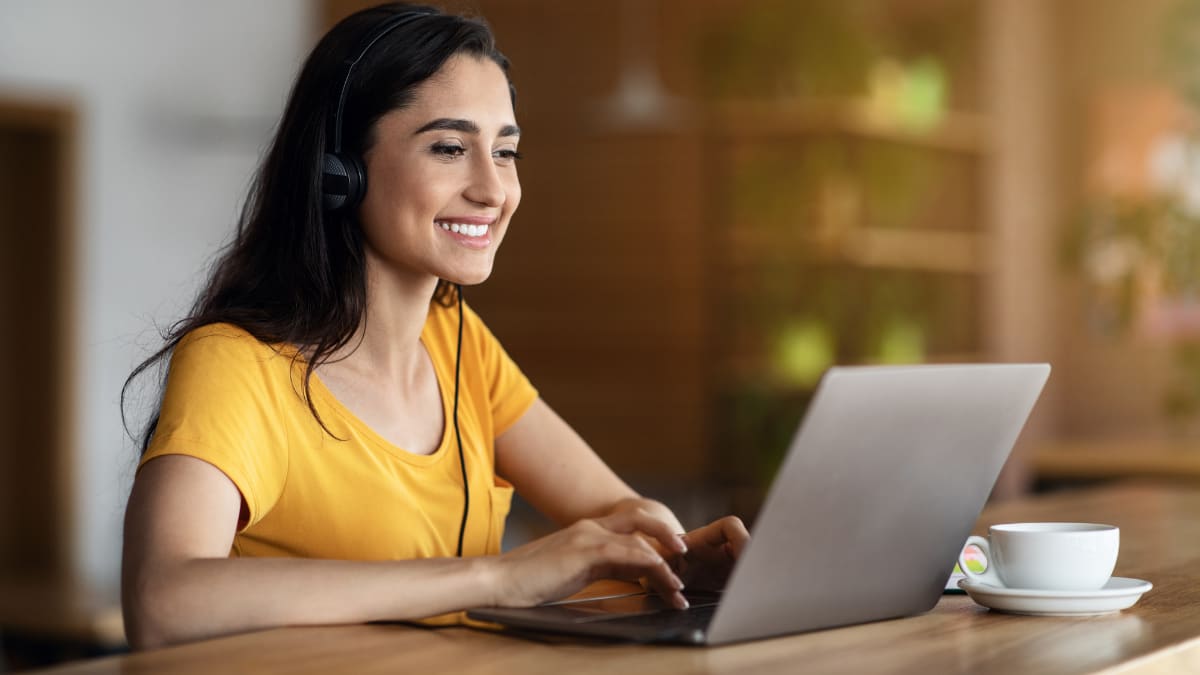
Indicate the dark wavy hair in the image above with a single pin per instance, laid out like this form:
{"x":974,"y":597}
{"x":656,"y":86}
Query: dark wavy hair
{"x":294,"y":274}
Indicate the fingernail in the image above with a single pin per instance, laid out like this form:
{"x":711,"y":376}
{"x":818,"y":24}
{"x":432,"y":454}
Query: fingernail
{"x":683,"y":603}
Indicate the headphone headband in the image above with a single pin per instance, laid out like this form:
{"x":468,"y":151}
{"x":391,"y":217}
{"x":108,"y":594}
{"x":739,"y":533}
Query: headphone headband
{"x":388,"y":26}
{"x":344,"y":178}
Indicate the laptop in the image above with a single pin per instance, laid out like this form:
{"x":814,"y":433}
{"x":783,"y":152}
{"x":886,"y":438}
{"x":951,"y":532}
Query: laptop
{"x":883,"y":481}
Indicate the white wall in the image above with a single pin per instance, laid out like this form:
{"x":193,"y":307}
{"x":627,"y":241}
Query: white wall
{"x":176,"y":99}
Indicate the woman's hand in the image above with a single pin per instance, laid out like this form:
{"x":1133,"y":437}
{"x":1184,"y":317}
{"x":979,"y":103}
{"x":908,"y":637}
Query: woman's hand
{"x":711,"y":553}
{"x":708,"y":553}
{"x":614,"y":546}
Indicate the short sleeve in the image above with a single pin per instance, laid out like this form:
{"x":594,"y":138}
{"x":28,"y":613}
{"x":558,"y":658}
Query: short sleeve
{"x":509,"y":391}
{"x":221,"y":405}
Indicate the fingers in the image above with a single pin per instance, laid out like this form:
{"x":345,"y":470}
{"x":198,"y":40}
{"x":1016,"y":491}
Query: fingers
{"x":640,"y":520}
{"x":562,"y":563}
{"x":629,"y":556}
{"x":736,"y":534}
{"x":628,"y":544}
{"x":728,"y":534}
{"x":661,"y":580}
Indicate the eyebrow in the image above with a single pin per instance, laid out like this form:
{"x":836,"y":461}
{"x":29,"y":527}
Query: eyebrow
{"x":465,"y":126}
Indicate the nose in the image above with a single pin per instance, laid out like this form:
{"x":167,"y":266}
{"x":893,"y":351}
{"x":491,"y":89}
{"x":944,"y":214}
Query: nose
{"x":486,"y":187}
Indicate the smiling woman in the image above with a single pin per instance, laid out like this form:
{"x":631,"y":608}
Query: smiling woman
{"x":339,"y":435}
{"x":446,"y":186}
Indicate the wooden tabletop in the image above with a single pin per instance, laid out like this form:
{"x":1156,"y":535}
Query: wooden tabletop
{"x":1160,"y":542}
{"x":1089,"y":460}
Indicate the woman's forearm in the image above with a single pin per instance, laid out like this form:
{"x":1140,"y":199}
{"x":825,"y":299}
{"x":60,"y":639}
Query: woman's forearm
{"x":202,"y":598}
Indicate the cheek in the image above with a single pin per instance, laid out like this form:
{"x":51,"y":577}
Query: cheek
{"x":401,"y":199}
{"x":394,"y":213}
{"x":513,"y":194}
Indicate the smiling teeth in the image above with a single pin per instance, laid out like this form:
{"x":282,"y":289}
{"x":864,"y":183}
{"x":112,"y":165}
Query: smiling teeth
{"x":469,"y":230}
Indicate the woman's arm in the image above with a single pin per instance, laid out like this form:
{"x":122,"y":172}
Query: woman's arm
{"x":178,"y":583}
{"x":560,"y":475}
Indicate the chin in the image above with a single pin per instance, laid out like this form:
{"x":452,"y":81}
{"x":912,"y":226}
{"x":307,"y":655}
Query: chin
{"x":470,"y":278}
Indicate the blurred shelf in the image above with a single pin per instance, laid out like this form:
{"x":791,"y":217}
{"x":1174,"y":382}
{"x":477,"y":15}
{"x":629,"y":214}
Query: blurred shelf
{"x":39,"y":112}
{"x":1174,"y":460}
{"x":958,"y":132}
{"x":946,"y":251}
{"x":62,"y":611}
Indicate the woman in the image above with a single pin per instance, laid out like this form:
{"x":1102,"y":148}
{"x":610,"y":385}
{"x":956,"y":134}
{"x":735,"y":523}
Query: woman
{"x":339,"y":437}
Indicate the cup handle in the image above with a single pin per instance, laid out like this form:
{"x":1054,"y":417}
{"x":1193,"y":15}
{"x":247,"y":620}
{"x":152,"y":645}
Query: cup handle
{"x":988,"y":575}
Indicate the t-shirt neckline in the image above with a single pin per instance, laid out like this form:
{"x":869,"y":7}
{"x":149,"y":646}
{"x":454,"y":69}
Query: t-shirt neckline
{"x":442,"y":377}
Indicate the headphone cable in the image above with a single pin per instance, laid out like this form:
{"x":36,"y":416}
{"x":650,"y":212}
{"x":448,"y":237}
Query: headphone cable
{"x":462,"y":461}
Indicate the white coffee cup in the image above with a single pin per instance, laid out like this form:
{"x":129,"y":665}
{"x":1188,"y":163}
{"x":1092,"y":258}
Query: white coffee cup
{"x":1046,"y":556}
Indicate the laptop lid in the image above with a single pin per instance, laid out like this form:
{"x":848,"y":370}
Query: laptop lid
{"x":881,"y":485}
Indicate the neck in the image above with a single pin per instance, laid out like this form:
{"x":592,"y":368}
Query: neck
{"x":387,"y":344}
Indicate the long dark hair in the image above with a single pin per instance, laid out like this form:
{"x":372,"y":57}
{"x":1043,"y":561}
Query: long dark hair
{"x":294,"y":274}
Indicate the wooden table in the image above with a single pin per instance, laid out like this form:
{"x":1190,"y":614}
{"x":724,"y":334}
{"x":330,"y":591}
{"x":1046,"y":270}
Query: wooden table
{"x":1160,"y":532}
{"x":1091,"y":460}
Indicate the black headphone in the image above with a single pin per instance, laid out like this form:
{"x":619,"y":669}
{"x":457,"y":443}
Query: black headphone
{"x":343,"y":174}
{"x":344,"y":184}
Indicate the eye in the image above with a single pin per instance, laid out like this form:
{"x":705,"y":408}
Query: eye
{"x":507,"y":156}
{"x":448,"y":150}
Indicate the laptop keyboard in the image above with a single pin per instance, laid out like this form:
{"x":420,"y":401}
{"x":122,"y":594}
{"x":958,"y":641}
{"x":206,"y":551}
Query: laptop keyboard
{"x":696,"y":618}
{"x":639,"y":617}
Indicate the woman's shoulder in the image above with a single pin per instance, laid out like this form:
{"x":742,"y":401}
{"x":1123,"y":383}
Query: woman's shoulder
{"x":227,"y":331}
{"x":227,"y":342}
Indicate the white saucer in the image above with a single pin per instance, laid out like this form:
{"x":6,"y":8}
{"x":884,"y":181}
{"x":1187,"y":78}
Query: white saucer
{"x":1115,"y":596}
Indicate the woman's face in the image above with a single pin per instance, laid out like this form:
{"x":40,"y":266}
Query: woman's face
{"x":442,"y":176}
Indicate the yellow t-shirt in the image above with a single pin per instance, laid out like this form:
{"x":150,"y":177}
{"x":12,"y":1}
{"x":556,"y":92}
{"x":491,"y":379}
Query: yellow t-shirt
{"x":237,"y":404}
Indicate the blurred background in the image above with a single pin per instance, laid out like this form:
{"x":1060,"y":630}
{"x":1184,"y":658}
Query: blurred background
{"x":722,"y":198}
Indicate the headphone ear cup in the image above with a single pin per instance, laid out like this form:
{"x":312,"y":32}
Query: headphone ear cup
{"x":343,"y":182}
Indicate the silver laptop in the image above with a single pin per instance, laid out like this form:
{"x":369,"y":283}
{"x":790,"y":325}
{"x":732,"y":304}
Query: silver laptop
{"x":883,"y":482}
